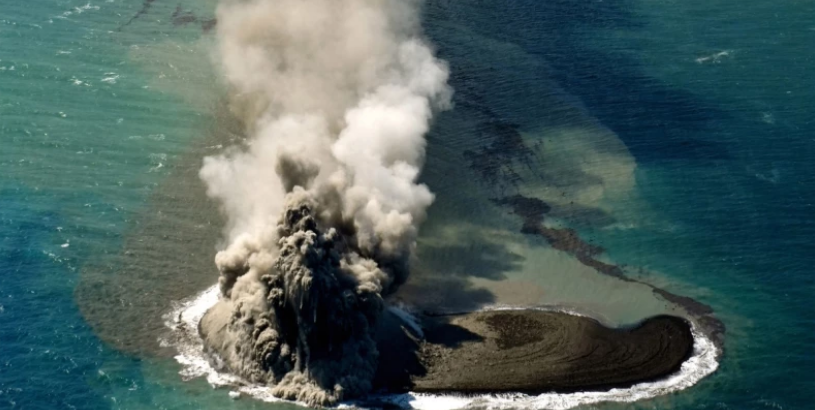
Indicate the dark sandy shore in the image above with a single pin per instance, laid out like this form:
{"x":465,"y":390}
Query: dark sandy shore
{"x":528,"y":351}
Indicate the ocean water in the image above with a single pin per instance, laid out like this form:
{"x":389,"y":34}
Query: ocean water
{"x":677,"y":136}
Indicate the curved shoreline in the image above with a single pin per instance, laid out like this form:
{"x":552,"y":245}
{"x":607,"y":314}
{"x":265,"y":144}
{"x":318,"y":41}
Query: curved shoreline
{"x":701,"y":362}
{"x":533,"y":351}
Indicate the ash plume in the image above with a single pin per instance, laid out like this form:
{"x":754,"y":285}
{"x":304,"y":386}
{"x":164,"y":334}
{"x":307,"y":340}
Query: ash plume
{"x":322,"y":200}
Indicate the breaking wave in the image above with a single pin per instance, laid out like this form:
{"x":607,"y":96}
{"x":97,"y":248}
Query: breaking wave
{"x":185,"y":315}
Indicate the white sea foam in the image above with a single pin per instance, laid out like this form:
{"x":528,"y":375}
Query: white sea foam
{"x":715,"y":58}
{"x":185,"y":315}
{"x":111,"y":78}
{"x":78,"y":10}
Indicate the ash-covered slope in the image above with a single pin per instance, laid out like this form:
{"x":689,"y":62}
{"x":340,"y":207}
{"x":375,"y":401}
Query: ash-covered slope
{"x":303,"y":322}
{"x":321,"y":200}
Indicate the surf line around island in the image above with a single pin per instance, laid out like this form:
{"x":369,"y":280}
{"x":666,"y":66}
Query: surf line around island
{"x":183,"y":321}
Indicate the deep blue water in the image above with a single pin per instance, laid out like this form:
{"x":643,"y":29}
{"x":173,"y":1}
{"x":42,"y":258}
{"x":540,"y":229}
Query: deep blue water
{"x":723,"y":147}
{"x":724,"y":153}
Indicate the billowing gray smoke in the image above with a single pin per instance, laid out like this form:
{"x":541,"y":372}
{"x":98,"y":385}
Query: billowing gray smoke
{"x":322,"y":201}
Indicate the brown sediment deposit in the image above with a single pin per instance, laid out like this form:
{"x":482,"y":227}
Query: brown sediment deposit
{"x":530,"y":351}
{"x":532,"y":211}
{"x":170,"y":242}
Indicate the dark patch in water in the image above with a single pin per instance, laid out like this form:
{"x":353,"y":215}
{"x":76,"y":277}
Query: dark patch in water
{"x":144,"y":9}
{"x":430,"y":289}
{"x":651,"y":118}
{"x":179,"y":18}
{"x":654,"y":119}
{"x":495,"y":162}
{"x":182,"y":18}
{"x":532,"y":212}
{"x":208,"y":25}
{"x":472,"y":256}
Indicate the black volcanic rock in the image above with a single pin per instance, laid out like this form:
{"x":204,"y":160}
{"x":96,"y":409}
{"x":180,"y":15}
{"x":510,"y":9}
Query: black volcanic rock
{"x":532,"y":352}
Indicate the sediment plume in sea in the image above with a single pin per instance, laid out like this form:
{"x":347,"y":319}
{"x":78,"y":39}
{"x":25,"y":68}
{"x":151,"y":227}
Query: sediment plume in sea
{"x":321,"y":200}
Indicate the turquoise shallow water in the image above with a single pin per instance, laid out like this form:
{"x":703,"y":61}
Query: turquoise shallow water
{"x":696,"y":117}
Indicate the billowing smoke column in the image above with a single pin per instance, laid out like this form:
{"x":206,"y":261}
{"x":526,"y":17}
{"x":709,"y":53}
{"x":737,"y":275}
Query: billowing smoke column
{"x":322,"y":201}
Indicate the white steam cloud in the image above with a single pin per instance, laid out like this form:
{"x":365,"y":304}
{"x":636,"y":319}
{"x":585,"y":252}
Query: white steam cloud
{"x":323,"y":203}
